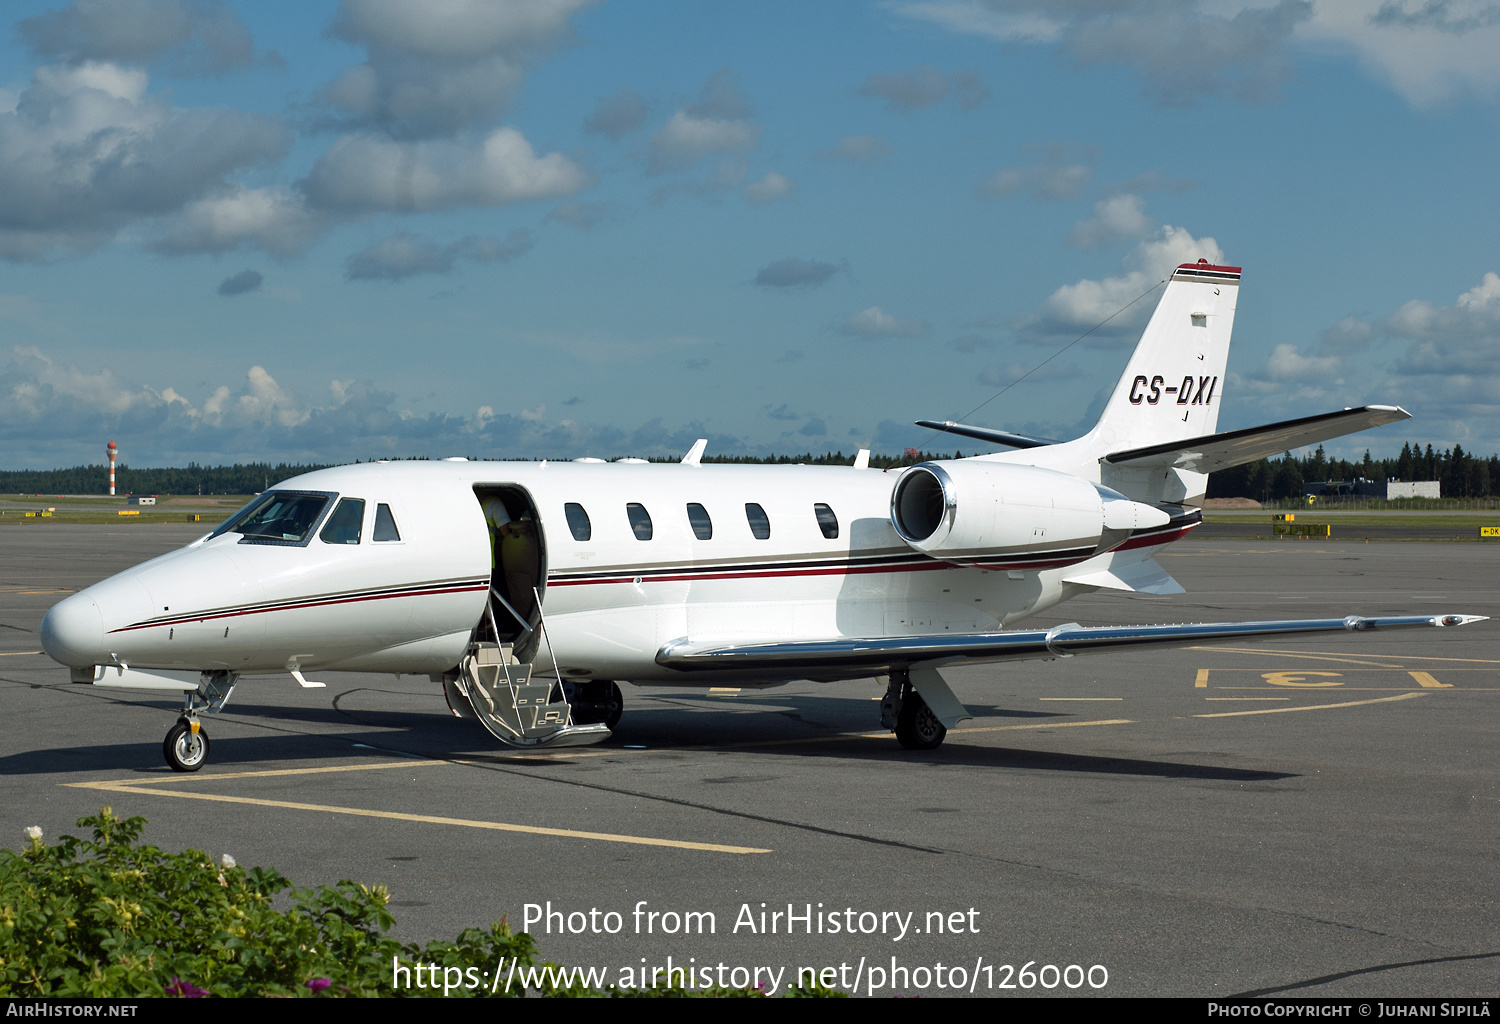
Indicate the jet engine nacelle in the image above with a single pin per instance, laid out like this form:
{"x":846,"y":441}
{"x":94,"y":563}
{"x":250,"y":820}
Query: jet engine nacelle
{"x":999,"y":515}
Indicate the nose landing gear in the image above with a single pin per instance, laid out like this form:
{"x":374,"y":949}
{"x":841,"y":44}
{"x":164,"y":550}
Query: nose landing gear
{"x":186,"y":745}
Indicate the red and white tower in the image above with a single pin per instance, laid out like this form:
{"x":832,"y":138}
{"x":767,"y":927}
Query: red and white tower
{"x":111,"y":451}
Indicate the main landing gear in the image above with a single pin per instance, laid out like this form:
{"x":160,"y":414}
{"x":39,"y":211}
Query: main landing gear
{"x":598,"y":700}
{"x":903,"y":710}
{"x":186,"y":745}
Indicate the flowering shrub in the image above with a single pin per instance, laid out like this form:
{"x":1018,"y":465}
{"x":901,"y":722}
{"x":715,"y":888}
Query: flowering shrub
{"x":109,"y":917}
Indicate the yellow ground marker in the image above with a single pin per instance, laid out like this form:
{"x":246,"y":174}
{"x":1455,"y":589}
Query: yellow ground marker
{"x":1428,"y":681}
{"x":1080,"y":698}
{"x":1247,"y":698}
{"x":1300,"y":679}
{"x":1340,"y":654}
{"x":1315,"y":707}
{"x":724,"y":691}
{"x":428,"y":819}
{"x":1200,"y":682}
{"x":17,"y":654}
{"x":1347,"y":659}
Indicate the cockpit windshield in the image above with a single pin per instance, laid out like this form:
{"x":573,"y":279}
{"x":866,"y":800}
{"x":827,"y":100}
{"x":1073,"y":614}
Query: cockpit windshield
{"x":278,"y":517}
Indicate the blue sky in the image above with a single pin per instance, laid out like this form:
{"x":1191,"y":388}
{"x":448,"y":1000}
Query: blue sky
{"x":556,"y":228}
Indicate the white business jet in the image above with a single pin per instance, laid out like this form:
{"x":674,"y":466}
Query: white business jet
{"x":527,"y":589}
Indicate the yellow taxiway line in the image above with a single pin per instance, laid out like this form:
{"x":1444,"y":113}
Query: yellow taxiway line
{"x":1316,"y":707}
{"x":147,"y":789}
{"x":885,"y":734}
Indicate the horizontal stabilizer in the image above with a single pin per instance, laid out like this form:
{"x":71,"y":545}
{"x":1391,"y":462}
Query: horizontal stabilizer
{"x":1004,"y":437}
{"x":792,"y":659}
{"x":1237,"y":447}
{"x":1144,"y":576}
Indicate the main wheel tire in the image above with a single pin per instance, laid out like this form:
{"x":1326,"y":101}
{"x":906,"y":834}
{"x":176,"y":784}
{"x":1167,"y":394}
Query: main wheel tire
{"x":184,"y":751}
{"x":612,"y":705}
{"x":917,"y":728}
{"x":598,"y":700}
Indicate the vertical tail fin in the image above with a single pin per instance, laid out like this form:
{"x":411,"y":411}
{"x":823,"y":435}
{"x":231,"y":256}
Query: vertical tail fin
{"x":1175,"y":380}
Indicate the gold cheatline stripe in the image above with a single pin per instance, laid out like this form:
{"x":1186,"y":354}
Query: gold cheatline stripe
{"x":1313,"y":707}
{"x":430,"y":819}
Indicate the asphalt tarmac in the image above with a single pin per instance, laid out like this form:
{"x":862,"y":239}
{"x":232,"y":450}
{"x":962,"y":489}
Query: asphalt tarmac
{"x":1310,"y":817}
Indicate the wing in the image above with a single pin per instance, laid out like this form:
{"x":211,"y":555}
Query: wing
{"x":834,"y":658}
{"x":1237,"y":447}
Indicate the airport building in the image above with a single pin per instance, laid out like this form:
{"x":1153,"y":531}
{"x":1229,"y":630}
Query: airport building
{"x":1381,"y":490}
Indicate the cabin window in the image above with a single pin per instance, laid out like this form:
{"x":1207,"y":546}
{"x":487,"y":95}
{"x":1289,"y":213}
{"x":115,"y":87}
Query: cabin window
{"x":385,"y":524}
{"x":640,"y":520}
{"x":279,"y":517}
{"x":703,"y":527}
{"x":578,"y":521}
{"x":344,"y":526}
{"x":827,"y":521}
{"x":760,"y":525}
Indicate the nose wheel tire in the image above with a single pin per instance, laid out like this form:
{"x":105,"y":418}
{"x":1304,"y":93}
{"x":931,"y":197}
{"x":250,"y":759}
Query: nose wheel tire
{"x":917,"y":728}
{"x":184,"y":751}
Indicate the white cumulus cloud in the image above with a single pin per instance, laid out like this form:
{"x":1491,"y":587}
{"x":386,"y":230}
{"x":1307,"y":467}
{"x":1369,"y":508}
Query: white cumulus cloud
{"x":87,"y":150}
{"x":1077,"y":307}
{"x":769,"y":189}
{"x":1115,"y":219}
{"x":720,"y":121}
{"x":366,"y":173}
{"x":877,"y":323}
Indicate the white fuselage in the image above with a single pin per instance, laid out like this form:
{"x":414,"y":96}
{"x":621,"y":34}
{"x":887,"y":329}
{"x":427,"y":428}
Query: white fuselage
{"x":611,"y":601}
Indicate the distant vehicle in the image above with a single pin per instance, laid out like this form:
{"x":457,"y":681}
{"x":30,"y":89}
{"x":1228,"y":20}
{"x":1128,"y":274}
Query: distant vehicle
{"x":697,"y":576}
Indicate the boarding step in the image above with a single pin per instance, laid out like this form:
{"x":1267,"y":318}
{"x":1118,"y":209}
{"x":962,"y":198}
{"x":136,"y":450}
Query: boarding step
{"x":500,"y":692}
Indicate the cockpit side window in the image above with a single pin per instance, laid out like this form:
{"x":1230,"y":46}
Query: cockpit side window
{"x":279,"y":517}
{"x":346,"y":523}
{"x":385,"y":524}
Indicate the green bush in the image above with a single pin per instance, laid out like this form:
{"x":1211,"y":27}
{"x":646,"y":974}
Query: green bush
{"x":109,"y":917}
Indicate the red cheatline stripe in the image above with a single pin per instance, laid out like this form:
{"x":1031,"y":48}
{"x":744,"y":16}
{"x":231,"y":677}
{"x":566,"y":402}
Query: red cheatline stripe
{"x":291,"y":606}
{"x":761,"y":574}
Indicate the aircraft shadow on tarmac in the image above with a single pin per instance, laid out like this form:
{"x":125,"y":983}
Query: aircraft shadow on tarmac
{"x":241,"y":753}
{"x":794,"y":727}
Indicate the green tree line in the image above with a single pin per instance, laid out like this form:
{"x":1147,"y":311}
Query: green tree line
{"x":237,"y":479}
{"x":248,"y":478}
{"x":1462,"y":475}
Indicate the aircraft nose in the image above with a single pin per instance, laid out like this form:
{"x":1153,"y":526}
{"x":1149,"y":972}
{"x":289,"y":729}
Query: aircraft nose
{"x":73,"y":632}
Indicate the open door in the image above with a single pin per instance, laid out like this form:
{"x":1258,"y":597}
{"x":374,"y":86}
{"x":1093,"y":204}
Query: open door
{"x":518,"y":568}
{"x":494,"y":681}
